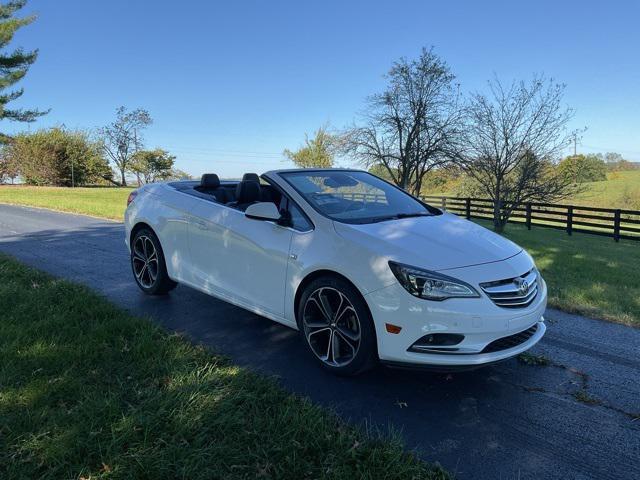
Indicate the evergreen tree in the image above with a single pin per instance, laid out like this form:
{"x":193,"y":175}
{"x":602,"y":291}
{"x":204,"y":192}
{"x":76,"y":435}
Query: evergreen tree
{"x":15,"y":64}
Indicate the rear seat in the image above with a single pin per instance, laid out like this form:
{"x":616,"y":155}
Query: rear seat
{"x":210,"y":184}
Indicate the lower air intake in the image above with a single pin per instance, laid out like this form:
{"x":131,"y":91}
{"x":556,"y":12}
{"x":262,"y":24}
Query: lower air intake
{"x":511,"y":341}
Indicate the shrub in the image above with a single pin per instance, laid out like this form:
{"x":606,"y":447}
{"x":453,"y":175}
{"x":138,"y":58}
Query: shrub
{"x":57,"y":156}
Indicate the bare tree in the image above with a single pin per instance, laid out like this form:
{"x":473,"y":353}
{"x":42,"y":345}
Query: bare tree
{"x":122,"y":138}
{"x":513,"y":136}
{"x":411,"y":127}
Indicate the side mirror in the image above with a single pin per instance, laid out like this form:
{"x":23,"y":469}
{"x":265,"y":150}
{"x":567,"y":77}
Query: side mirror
{"x":263,"y":211}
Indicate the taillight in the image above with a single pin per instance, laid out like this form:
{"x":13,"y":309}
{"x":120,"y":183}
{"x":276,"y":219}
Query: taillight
{"x":132,"y":197}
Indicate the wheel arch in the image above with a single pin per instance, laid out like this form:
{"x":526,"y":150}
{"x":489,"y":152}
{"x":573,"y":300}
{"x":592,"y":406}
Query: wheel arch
{"x":310,"y":277}
{"x":139,"y":226}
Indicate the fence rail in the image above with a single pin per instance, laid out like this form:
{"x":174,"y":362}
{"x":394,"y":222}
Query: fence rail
{"x":609,"y":222}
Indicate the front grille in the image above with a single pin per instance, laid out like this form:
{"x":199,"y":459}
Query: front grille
{"x":516,"y":292}
{"x":511,"y":341}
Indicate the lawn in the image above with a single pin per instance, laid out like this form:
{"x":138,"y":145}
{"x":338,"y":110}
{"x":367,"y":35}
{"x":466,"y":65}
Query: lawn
{"x":88,"y":391}
{"x":586,"y":274}
{"x":106,"y":202}
{"x":620,"y":190}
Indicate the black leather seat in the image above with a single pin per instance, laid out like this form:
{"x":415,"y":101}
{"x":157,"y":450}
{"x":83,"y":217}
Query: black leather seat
{"x":251,"y":177}
{"x":247,"y":192}
{"x":265,"y":192}
{"x":210,"y":184}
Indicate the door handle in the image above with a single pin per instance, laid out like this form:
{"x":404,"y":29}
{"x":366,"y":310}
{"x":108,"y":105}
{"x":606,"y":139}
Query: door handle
{"x":200,"y":224}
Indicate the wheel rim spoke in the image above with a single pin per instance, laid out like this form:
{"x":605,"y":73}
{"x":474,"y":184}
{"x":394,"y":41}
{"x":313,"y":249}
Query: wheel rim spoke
{"x":325,"y":307}
{"x":348,"y":335}
{"x":331,"y":326}
{"x":318,"y":305}
{"x":144,"y":258}
{"x":344,"y":340}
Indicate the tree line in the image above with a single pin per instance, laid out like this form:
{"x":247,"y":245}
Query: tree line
{"x":64,"y":157}
{"x":506,"y":140}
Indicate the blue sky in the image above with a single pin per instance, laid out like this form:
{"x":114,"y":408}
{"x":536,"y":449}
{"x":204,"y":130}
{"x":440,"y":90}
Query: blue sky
{"x":230,"y":84}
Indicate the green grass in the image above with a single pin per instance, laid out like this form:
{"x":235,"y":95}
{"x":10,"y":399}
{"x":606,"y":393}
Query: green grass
{"x":586,"y":274}
{"x":106,"y":202}
{"x":88,"y":391}
{"x":620,"y":190}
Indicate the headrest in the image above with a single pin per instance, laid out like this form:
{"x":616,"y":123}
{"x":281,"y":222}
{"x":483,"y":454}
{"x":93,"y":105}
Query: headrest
{"x":251,"y":177}
{"x":247,"y":192}
{"x":209,"y":180}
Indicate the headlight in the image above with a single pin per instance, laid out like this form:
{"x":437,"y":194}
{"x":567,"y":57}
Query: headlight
{"x":430,"y":285}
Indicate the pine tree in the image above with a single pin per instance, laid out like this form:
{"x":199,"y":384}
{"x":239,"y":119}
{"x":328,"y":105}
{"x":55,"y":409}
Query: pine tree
{"x":14,"y":65}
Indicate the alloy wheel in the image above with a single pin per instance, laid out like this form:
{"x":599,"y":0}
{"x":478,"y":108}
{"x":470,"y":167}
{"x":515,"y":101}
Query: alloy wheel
{"x":331,"y":327}
{"x":144,"y":257}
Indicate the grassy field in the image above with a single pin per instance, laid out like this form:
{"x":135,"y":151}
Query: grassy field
{"x":98,"y":202}
{"x":620,"y":190}
{"x":586,"y":274}
{"x":87,"y":391}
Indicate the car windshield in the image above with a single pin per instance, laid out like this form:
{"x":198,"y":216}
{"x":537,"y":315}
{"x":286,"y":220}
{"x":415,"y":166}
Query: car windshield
{"x":354,"y":196}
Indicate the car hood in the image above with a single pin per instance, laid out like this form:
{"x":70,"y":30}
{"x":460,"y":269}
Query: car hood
{"x":439,"y":242}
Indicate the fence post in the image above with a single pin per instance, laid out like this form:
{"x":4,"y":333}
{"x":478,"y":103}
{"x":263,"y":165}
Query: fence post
{"x":468,"y":208}
{"x":528,"y":216}
{"x":569,"y":220}
{"x":616,"y":225}
{"x":444,"y":203}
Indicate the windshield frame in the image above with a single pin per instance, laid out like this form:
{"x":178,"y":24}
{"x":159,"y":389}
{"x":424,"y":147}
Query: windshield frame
{"x":359,"y":221}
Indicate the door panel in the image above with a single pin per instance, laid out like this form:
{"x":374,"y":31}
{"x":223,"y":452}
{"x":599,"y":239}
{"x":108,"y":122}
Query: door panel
{"x":239,"y":257}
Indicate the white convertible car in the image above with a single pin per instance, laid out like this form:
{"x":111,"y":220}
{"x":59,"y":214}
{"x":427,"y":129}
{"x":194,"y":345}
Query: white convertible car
{"x":363,"y":270}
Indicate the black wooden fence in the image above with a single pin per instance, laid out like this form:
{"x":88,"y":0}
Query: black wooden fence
{"x":609,"y":222}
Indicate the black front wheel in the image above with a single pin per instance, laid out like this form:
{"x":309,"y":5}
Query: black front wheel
{"x":147,"y":263}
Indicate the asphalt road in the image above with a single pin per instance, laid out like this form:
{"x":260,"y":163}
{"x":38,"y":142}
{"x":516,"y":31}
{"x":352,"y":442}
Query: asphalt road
{"x":500,"y":422}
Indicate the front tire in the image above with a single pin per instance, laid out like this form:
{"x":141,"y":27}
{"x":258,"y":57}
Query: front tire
{"x":336,"y":326}
{"x":148,"y":264}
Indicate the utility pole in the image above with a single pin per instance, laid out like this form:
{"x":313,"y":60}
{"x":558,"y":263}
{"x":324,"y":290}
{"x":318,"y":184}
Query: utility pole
{"x":73,"y":183}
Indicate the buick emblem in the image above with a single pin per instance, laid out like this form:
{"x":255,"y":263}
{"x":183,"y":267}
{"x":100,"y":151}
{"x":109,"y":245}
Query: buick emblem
{"x":523,"y":286}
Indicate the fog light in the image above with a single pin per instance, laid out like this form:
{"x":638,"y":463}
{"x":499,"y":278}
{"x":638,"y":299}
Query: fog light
{"x":437,"y":343}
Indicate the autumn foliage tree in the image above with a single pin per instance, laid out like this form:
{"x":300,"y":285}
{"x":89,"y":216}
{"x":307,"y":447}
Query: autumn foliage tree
{"x":57,"y":156}
{"x":317,"y":151}
{"x":152,"y":165}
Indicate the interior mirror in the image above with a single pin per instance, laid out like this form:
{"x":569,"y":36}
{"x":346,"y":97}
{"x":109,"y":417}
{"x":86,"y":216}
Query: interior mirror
{"x":263,"y":211}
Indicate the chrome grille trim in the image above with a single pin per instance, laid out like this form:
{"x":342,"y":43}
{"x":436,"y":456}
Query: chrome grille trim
{"x":508,"y":294}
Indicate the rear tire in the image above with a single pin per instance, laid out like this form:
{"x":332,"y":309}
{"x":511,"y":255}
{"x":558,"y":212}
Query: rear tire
{"x":336,"y":326}
{"x":148,"y":264}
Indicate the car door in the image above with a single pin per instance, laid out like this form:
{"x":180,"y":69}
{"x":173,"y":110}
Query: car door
{"x":239,"y":258}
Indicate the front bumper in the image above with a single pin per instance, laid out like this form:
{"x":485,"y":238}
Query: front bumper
{"x":478,"y":319}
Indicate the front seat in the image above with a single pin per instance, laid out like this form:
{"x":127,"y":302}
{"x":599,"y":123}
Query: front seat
{"x":251,"y":177}
{"x":265,"y":192}
{"x":247,"y":192}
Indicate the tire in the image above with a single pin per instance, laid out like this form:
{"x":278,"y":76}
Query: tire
{"x":148,"y":264}
{"x":336,"y":326}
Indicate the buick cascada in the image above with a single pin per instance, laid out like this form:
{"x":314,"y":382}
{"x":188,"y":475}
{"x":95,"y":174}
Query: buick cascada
{"x":366,"y":272}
